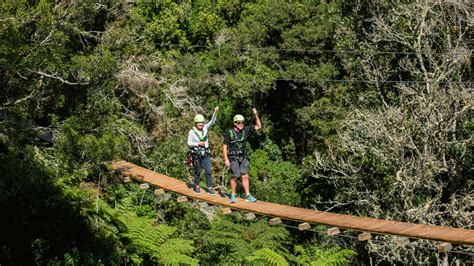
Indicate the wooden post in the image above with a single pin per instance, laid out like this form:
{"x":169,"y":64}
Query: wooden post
{"x":304,"y":226}
{"x":402,"y":241}
{"x":225,"y":210}
{"x":445,"y":247}
{"x":144,"y":186}
{"x":202,"y":205}
{"x":274,"y":221}
{"x":139,"y":177}
{"x":182,"y":199}
{"x":333,"y":231}
{"x":126,"y":179}
{"x":365,"y":236}
{"x":159,"y":191}
{"x":249,"y":216}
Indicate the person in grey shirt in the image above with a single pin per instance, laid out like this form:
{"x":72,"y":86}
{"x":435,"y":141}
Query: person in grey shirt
{"x":198,"y":143}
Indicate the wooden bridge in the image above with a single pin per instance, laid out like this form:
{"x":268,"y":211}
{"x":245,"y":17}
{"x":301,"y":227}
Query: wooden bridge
{"x":306,"y":216}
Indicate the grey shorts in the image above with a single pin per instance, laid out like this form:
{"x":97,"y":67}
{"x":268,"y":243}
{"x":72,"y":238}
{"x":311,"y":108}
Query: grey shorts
{"x":238,"y":168}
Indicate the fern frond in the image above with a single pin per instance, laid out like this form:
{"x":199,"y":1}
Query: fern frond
{"x":266,"y":256}
{"x":302,"y":257}
{"x":156,"y":243}
{"x":333,"y":256}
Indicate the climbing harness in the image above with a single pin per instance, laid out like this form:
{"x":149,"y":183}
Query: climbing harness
{"x":237,"y":146}
{"x":200,"y":136}
{"x":196,"y":153}
{"x":199,"y":152}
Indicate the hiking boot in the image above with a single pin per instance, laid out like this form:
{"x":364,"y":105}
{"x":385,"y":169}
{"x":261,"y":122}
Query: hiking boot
{"x":197,"y":190}
{"x":233,"y":198}
{"x":250,"y":198}
{"x":212,"y":192}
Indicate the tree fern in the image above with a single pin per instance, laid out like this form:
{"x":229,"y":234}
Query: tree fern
{"x":302,"y":257}
{"x":266,"y":256}
{"x":333,"y":256}
{"x":314,"y":255}
{"x":155,"y":242}
{"x":227,"y":242}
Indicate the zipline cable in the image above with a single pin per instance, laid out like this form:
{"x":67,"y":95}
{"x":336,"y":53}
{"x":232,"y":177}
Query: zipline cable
{"x":271,"y":49}
{"x":468,"y":83}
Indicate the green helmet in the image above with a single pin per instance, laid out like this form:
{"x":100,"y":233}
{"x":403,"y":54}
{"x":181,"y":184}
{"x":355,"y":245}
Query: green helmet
{"x":199,"y":118}
{"x":239,"y":118}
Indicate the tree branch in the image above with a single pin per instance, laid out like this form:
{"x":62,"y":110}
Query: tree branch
{"x":57,"y":78}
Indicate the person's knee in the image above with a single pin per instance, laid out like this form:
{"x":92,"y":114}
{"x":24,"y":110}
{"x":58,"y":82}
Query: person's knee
{"x":245,"y":177}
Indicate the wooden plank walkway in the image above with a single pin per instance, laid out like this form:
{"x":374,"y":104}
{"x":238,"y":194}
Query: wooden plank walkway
{"x":365,"y":224}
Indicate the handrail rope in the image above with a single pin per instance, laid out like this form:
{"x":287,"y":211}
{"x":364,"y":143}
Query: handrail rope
{"x":372,"y":240}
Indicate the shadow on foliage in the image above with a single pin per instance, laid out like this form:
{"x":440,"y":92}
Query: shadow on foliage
{"x":42,"y":222}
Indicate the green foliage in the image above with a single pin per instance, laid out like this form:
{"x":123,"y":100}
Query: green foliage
{"x":166,"y":23}
{"x":313,"y":255}
{"x":44,"y":221}
{"x":146,"y":241}
{"x":168,"y":158}
{"x":272,"y":178}
{"x":122,"y":80}
{"x":227,"y":242}
{"x":266,"y":256}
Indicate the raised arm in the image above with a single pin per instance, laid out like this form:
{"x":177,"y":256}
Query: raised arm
{"x":258,"y":123}
{"x":213,"y":118}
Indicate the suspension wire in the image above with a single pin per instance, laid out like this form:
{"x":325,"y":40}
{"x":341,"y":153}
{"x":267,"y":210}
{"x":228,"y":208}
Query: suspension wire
{"x":253,"y":90}
{"x":375,"y":81}
{"x":347,"y":81}
{"x":379,"y":241}
{"x":316,"y":231}
{"x":468,"y":53}
{"x":272,"y":49}
{"x":351,"y":51}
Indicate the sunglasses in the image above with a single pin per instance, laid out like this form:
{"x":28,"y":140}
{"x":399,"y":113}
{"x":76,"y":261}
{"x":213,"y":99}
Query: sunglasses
{"x":239,"y":123}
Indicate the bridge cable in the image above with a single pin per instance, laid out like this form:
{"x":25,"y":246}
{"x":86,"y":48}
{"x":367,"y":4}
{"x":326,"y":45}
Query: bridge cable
{"x":379,"y":241}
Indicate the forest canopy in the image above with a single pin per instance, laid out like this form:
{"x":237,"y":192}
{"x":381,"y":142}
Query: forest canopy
{"x":367,"y":109}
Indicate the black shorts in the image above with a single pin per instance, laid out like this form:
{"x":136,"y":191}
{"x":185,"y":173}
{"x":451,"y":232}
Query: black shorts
{"x":239,"y":168}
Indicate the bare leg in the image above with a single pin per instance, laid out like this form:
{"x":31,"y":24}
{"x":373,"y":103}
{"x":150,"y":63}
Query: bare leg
{"x":233,"y":184}
{"x":245,"y":184}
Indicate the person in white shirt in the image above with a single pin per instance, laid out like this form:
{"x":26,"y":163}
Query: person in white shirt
{"x":198,"y":143}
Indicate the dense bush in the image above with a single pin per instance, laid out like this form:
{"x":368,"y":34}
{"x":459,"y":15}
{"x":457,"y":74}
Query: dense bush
{"x":365,"y":110}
